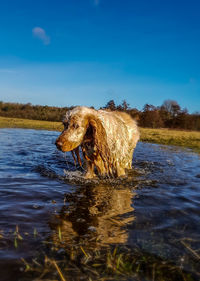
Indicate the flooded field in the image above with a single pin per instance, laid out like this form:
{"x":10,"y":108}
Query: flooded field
{"x":54,"y":225}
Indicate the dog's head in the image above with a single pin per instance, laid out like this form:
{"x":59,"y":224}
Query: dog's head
{"x":80,"y":125}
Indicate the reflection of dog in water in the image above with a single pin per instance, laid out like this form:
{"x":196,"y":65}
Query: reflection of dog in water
{"x":95,"y":215}
{"x":107,"y":140}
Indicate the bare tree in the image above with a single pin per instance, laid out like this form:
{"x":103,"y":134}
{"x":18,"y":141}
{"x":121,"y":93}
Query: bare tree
{"x":171,"y":107}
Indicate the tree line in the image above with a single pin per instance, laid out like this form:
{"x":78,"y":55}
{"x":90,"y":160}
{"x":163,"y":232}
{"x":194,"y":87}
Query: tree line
{"x":168,"y":115}
{"x":33,"y":112}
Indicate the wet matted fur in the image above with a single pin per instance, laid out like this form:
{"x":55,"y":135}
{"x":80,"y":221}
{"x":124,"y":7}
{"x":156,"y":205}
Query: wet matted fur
{"x":107,"y":140}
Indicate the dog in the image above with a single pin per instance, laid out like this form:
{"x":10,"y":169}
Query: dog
{"x":107,"y":139}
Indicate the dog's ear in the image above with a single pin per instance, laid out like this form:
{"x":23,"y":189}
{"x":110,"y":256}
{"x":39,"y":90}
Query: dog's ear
{"x":97,"y":133}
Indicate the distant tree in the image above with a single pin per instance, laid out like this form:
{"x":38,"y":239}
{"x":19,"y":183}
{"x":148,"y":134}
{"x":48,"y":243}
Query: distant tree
{"x":34,"y":112}
{"x":124,"y":106}
{"x":110,"y":105}
{"x":148,"y":107}
{"x":176,"y":110}
{"x":168,"y":115}
{"x":171,"y":114}
{"x":172,"y":107}
{"x":151,"y":117}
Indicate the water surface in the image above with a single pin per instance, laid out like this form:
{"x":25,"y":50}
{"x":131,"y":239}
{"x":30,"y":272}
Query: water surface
{"x":155,"y":210}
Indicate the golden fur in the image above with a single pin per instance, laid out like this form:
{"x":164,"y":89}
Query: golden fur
{"x":107,"y":140}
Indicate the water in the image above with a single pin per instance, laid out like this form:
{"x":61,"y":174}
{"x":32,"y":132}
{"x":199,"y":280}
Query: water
{"x":153,"y":213}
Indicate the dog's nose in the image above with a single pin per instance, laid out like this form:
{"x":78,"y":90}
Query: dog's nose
{"x":58,"y":144}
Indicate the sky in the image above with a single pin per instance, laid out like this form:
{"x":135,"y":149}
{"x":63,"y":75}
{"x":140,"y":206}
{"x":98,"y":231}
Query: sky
{"x":87,"y":52}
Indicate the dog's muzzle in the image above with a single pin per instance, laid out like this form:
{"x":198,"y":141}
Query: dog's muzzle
{"x":59,"y":144}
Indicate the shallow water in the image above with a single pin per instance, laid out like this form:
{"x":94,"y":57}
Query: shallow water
{"x":156,"y":209}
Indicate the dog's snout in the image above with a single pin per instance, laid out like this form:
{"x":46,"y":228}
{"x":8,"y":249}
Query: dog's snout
{"x":58,"y":144}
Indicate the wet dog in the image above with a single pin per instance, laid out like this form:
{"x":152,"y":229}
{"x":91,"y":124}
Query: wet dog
{"x":107,"y":140}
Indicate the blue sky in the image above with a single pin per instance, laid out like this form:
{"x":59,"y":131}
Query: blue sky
{"x":86,"y":52}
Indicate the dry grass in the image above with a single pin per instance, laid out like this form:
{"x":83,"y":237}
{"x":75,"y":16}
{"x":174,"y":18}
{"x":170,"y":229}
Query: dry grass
{"x":6,"y":122}
{"x":190,"y":139}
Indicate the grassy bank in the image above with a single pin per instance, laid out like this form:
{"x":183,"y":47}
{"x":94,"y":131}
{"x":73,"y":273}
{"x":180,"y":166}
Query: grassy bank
{"x":6,"y":122}
{"x":190,"y":139}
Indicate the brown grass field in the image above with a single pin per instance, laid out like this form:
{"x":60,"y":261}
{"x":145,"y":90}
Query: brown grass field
{"x":189,"y":139}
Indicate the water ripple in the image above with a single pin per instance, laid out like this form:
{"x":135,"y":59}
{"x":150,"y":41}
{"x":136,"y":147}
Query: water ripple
{"x":155,"y":207}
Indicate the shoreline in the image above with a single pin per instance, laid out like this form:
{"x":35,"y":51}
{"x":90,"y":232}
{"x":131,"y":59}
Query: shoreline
{"x":188,"y":139}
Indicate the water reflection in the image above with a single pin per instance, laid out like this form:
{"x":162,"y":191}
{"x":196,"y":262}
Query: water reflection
{"x":164,"y":227}
{"x":95,"y":215}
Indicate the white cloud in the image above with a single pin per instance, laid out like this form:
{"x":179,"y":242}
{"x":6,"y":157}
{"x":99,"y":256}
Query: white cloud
{"x":40,"y":33}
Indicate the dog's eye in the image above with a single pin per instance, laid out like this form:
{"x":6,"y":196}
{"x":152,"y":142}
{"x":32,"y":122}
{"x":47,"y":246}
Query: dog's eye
{"x":66,"y":125}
